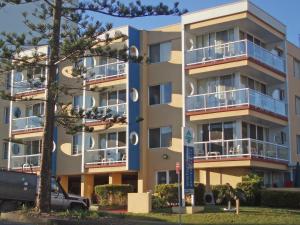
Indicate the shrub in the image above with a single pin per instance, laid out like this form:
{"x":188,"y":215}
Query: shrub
{"x":280,"y":199}
{"x":217,"y":190}
{"x":158,"y":202}
{"x":168,"y":192}
{"x":251,"y":186}
{"x":199,"y":193}
{"x":112,"y":195}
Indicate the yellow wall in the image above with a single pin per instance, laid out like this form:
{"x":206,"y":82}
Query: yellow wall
{"x":294,"y":90}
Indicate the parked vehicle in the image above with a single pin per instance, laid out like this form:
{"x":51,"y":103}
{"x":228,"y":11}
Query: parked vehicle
{"x":18,"y":188}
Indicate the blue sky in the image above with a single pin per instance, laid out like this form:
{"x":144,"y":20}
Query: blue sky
{"x":287,"y":11}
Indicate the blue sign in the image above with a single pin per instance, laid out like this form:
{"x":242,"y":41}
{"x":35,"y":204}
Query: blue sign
{"x":188,"y":161}
{"x":188,"y":169}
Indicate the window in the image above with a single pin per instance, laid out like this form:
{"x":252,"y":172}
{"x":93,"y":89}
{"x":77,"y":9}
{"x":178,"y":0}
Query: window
{"x":160,"y":94}
{"x":77,"y":102}
{"x":6,"y":114}
{"x":253,"y":84}
{"x":217,"y":131}
{"x":33,"y":147}
{"x":7,"y":81}
{"x":297,"y":68}
{"x":216,"y":84}
{"x":112,"y":140}
{"x":112,"y":98}
{"x":160,"y":52}
{"x":166,"y":177}
{"x":160,"y":137}
{"x":35,"y":110}
{"x":76,"y":144}
{"x":298,"y":144}
{"x":5,"y":150}
{"x":297,"y":105}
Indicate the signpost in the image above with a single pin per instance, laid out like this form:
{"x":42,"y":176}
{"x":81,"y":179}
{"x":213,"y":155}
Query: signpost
{"x":178,"y":168}
{"x":188,"y":164}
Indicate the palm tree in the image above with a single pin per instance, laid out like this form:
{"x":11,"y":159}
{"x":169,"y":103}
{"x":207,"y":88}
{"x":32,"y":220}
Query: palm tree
{"x":228,"y":194}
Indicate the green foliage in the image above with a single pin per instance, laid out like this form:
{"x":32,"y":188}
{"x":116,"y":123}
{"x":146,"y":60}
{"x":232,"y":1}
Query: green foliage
{"x":167,"y":192}
{"x":113,"y":195}
{"x":199,"y":191}
{"x":251,"y":186}
{"x":217,"y":190}
{"x":226,"y":193}
{"x":158,"y":202}
{"x":280,"y":199}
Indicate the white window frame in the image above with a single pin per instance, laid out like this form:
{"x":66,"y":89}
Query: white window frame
{"x":5,"y":151}
{"x":160,"y":128}
{"x":296,"y":61}
{"x":118,"y":97}
{"x":297,"y":99}
{"x":167,"y":176}
{"x":106,"y":139}
{"x":161,"y":92}
{"x":298,"y":144}
{"x":79,"y":146}
{"x":161,"y":43}
{"x":6,"y":115}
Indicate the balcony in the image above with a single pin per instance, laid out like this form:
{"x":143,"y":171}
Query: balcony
{"x":26,"y":87}
{"x":235,"y":98}
{"x":110,"y":112}
{"x":231,"y":50}
{"x":105,"y":157}
{"x":239,"y":148}
{"x":25,"y":161}
{"x":27,"y":123}
{"x":104,"y":72}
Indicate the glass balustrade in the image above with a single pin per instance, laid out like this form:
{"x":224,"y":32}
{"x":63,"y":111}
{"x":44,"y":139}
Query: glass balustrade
{"x":232,"y":50}
{"x":235,"y":98}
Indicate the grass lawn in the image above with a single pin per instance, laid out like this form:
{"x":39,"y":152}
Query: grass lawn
{"x":214,"y":215}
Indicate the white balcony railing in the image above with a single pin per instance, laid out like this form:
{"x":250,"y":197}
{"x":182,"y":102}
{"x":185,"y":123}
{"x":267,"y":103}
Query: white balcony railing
{"x":105,"y":71}
{"x":27,"y":123}
{"x":221,"y":149}
{"x":232,"y":50}
{"x":25,"y":161}
{"x":25,"y":86}
{"x":106,"y":156}
{"x":232,"y":98}
{"x":106,"y":112}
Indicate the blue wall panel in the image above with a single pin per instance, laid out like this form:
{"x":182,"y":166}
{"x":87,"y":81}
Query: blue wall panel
{"x":134,"y":107}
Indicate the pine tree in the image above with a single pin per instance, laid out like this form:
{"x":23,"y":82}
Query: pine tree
{"x":71,"y":34}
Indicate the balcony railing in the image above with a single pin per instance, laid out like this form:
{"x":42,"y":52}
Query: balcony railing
{"x":232,"y":50}
{"x":239,"y":97}
{"x":25,"y":86}
{"x":106,"y":156}
{"x":106,"y":71}
{"x":107,"y":112}
{"x":25,"y":161}
{"x":221,"y":149}
{"x":27,"y":123}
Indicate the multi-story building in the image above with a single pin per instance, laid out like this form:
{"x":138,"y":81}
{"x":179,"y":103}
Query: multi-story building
{"x":228,"y":72}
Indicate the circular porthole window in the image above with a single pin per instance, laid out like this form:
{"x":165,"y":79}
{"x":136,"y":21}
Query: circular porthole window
{"x":91,"y":142}
{"x":17,"y":112}
{"x":16,"y":149}
{"x":134,"y":138}
{"x":133,"y":51}
{"x":134,"y":94}
{"x":54,"y":146}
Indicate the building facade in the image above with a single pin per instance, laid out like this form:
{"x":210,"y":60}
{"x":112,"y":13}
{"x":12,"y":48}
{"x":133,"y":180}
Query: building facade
{"x":228,"y":72}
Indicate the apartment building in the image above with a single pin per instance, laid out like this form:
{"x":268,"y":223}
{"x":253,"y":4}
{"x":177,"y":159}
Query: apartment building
{"x":228,"y":72}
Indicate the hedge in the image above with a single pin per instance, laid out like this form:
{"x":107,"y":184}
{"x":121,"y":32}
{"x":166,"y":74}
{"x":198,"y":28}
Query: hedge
{"x":199,"y":193}
{"x":167,"y":192}
{"x":216,"y":189}
{"x":280,"y":199}
{"x":167,"y":195}
{"x":113,"y":195}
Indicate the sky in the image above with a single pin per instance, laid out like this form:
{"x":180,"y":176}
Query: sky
{"x":286,"y":11}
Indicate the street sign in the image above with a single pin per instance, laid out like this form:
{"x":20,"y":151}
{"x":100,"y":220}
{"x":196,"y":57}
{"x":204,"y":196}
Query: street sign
{"x":178,"y":168}
{"x":188,"y":160}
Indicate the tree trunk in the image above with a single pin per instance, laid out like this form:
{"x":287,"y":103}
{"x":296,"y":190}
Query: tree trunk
{"x":44,"y":193}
